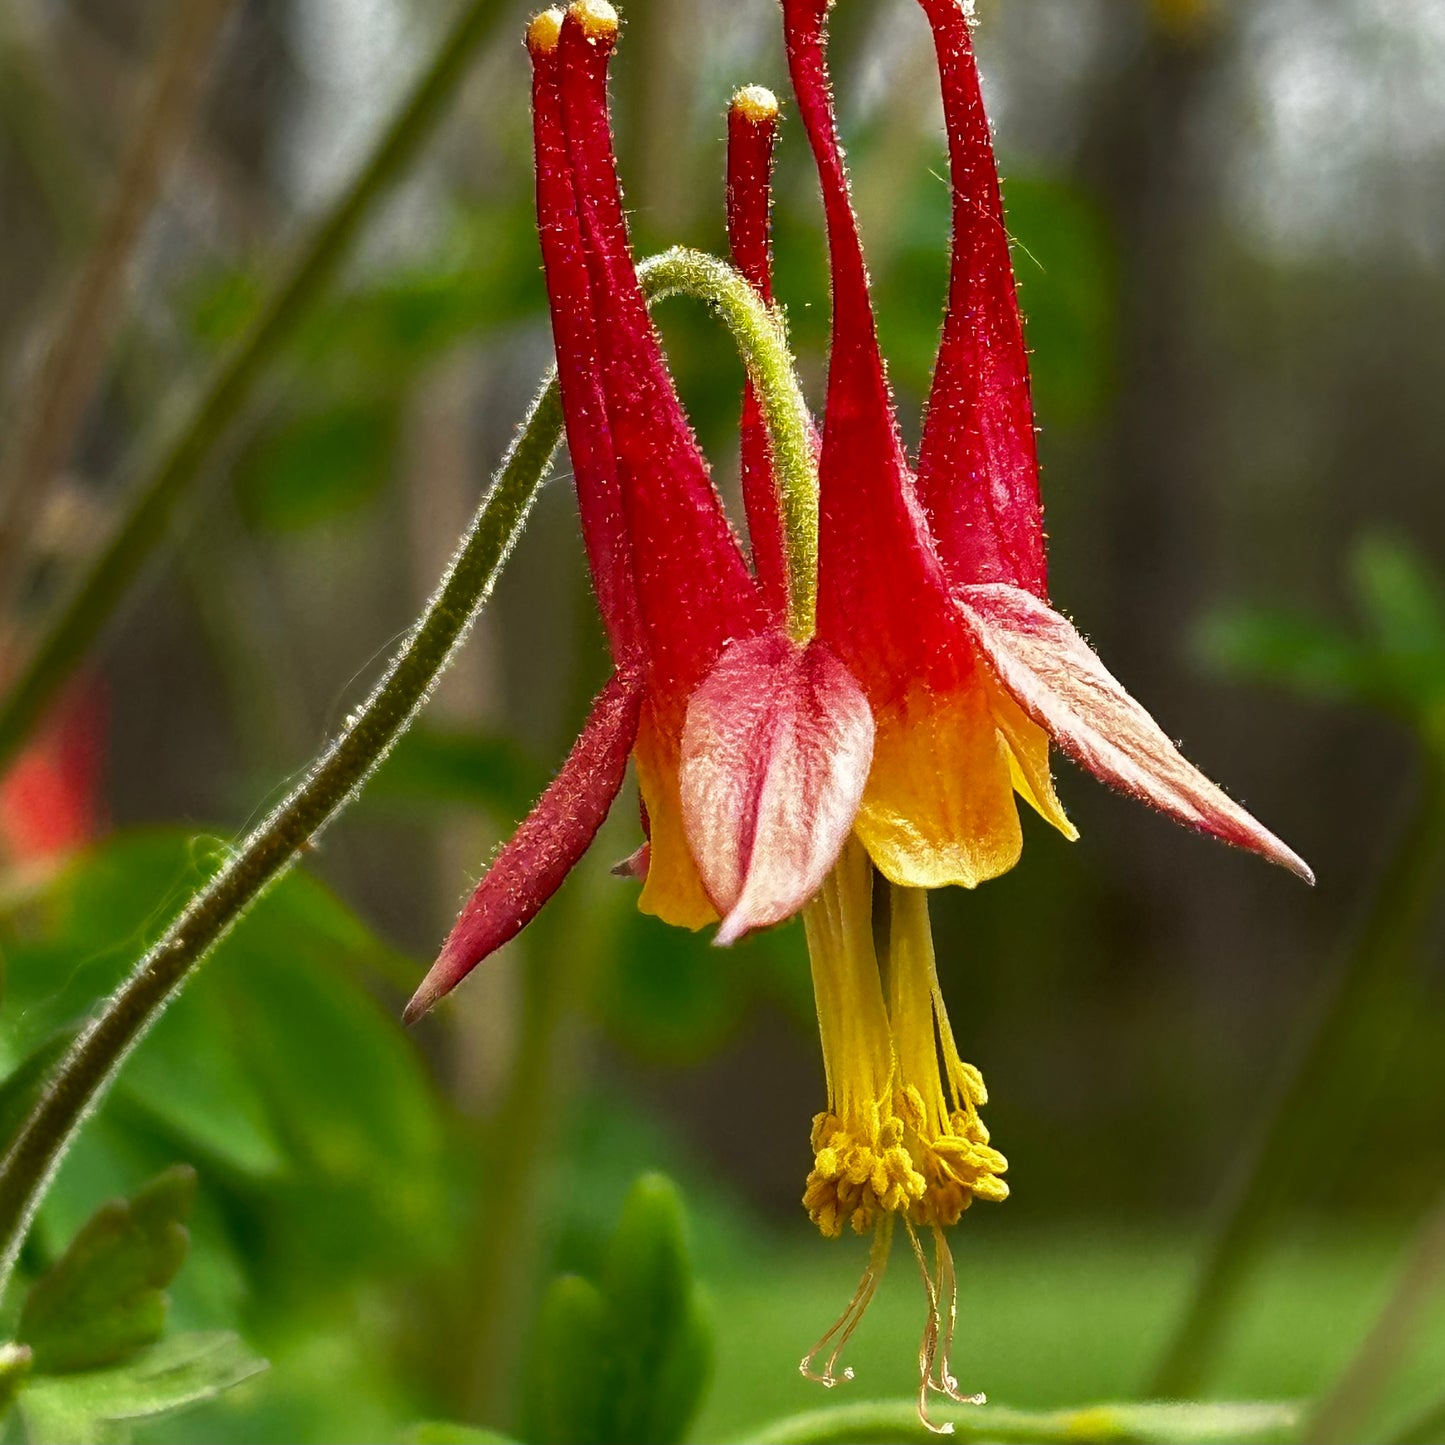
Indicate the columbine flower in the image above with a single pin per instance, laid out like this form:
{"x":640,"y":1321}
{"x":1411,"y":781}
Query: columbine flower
{"x":844,"y":724}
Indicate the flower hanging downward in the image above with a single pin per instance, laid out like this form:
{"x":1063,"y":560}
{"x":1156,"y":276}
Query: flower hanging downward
{"x":846,"y":722}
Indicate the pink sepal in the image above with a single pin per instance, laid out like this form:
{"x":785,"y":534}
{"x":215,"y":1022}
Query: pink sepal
{"x":531,"y":866}
{"x":1057,"y":679}
{"x":775,"y":754}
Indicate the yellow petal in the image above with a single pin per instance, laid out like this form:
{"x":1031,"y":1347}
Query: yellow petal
{"x":939,"y":806}
{"x":1028,"y":746}
{"x":673,"y":891}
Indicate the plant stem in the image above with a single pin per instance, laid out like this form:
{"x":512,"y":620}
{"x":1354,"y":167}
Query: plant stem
{"x":146,"y":521}
{"x":1272,"y":1164}
{"x":92,"y":1062}
{"x":762,"y":340}
{"x":1340,"y":1416}
{"x":86,"y":1071}
{"x":55,"y":403}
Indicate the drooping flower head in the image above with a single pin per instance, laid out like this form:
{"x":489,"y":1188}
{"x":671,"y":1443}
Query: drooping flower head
{"x":847,"y":721}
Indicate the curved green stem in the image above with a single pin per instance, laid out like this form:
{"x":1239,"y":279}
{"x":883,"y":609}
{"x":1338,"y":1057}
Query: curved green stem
{"x":97,"y":1054}
{"x":153,"y":502}
{"x":762,"y":341}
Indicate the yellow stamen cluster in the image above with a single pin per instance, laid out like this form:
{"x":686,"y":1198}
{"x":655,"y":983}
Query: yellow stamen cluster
{"x":859,"y":1174}
{"x":957,"y":1164}
{"x":895,"y":1138}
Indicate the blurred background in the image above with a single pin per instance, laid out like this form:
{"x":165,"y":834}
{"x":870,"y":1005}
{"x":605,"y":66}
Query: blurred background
{"x":1230,"y":240}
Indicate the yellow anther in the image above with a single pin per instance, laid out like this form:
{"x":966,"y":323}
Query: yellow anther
{"x":756,"y":104}
{"x":544,"y":30}
{"x":596,"y":17}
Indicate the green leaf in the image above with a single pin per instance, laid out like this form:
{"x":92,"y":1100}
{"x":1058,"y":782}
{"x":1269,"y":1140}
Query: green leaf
{"x":93,"y":1408}
{"x":890,"y":1422}
{"x":647,"y":1279}
{"x":219,"y":1113}
{"x":280,"y":1014}
{"x":1403,"y":604}
{"x":1401,"y":597}
{"x":626,"y":1363}
{"x":574,"y":1377}
{"x":105,"y":1299}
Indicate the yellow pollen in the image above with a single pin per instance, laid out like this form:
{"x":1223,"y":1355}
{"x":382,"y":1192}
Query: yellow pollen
{"x":544,"y":30}
{"x":596,"y":17}
{"x":756,"y":104}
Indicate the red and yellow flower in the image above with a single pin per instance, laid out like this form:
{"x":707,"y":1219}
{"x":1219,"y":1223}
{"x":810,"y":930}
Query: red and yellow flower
{"x":846,"y":722}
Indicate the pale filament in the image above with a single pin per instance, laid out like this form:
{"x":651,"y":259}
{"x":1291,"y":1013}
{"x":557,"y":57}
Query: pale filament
{"x":934,"y":1372}
{"x":849,"y":1320}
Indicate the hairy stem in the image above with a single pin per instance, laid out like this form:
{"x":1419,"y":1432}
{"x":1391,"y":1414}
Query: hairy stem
{"x":153,"y":501}
{"x":87,"y":1070}
{"x":762,"y":341}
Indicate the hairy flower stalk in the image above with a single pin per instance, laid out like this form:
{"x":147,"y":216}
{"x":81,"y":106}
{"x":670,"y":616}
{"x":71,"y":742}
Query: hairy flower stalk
{"x":846,"y":718}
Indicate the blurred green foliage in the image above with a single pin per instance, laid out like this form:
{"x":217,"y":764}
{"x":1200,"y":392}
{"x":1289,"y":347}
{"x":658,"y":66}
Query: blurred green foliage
{"x":625,"y":1358}
{"x":1395,"y":663}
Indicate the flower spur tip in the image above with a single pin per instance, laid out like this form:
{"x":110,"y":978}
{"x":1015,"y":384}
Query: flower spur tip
{"x":597,"y":19}
{"x":634,"y":865}
{"x":755,"y":104}
{"x":543,"y":31}
{"x":729,"y":931}
{"x":420,"y":1003}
